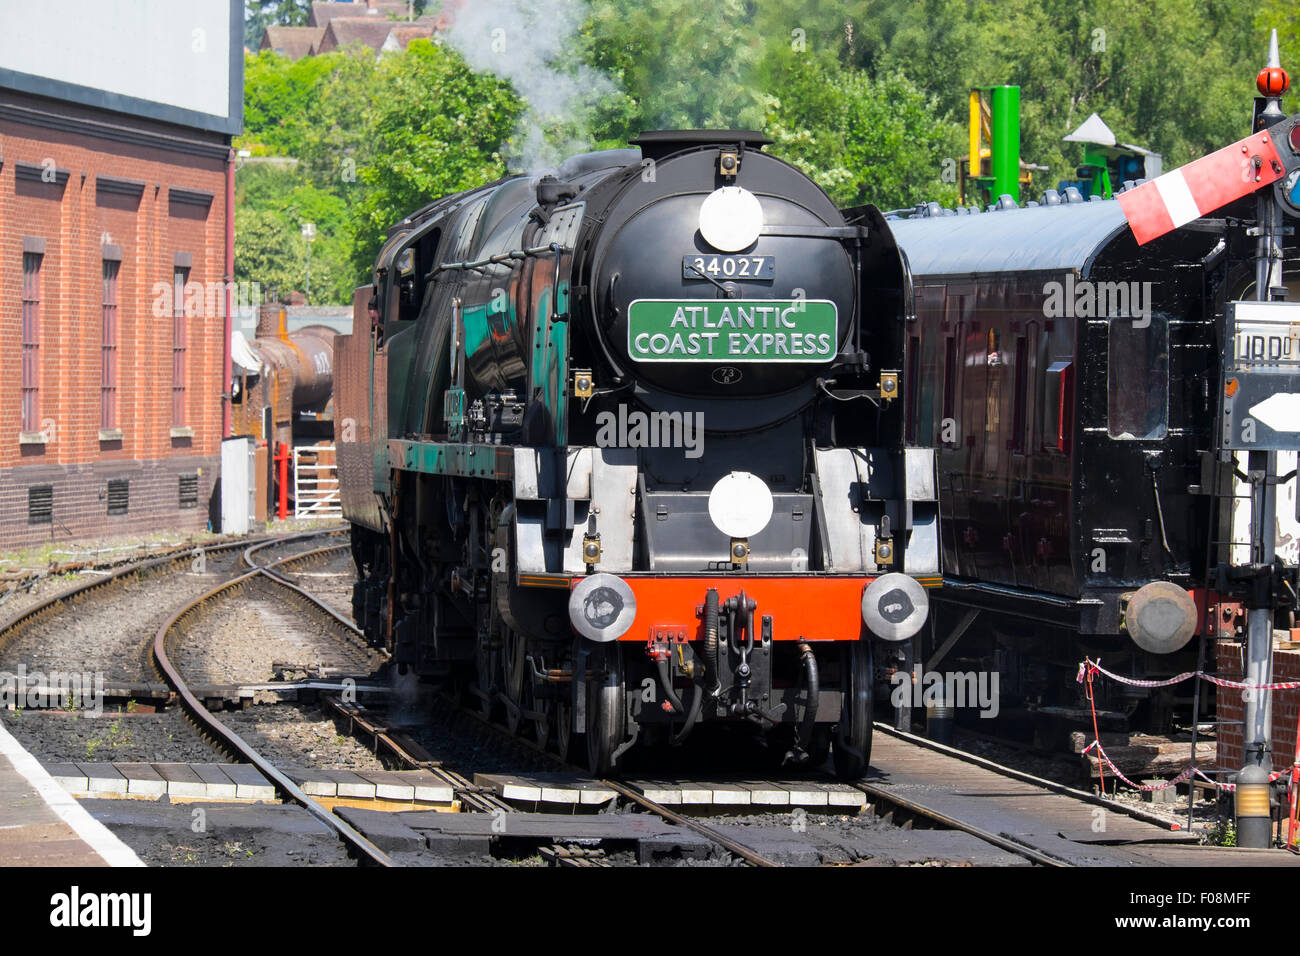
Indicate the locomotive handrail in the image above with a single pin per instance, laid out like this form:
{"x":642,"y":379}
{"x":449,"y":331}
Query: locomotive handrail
{"x":499,"y":258}
{"x":817,"y":232}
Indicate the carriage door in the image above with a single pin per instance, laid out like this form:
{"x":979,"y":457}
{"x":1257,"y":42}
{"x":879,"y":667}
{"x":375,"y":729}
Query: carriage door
{"x":960,"y":431}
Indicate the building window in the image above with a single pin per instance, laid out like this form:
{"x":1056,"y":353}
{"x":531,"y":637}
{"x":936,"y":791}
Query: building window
{"x":180,"y":277}
{"x":31,"y":388}
{"x":108,"y":350}
{"x":188,"y":489}
{"x":40,"y":504}
{"x":119,"y":496}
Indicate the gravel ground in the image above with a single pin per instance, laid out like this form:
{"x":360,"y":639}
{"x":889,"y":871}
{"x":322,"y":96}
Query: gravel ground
{"x":148,"y":738}
{"x":108,"y":632}
{"x":32,"y":577}
{"x":247,"y":847}
{"x":463,"y":744}
{"x":44,"y":587}
{"x":291,"y":735}
{"x":299,"y":735}
{"x":256,"y":629}
{"x":329,"y":580}
{"x":220,"y":834}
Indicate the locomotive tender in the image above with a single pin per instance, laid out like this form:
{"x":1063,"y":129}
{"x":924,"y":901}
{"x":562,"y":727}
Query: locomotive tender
{"x":623,"y":451}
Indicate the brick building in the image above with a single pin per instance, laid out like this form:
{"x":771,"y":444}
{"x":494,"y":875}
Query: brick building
{"x":113,"y":258}
{"x":1229,"y":658}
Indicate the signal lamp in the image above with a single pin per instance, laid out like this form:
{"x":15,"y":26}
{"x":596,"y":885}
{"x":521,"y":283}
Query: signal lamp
{"x":1272,"y":81}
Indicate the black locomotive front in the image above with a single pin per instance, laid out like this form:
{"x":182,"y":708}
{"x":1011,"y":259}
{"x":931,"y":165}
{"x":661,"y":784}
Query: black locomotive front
{"x":638,"y":463}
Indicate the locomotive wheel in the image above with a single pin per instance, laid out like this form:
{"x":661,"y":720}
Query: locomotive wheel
{"x":562,"y":734}
{"x":852,"y":750}
{"x":485,"y":677}
{"x":606,"y":708}
{"x":544,"y":707}
{"x":514,"y":648}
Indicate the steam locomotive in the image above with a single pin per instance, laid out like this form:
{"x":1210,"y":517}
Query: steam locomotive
{"x":623,"y":451}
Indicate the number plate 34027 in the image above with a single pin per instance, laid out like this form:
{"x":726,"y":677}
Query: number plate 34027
{"x":695,"y":266}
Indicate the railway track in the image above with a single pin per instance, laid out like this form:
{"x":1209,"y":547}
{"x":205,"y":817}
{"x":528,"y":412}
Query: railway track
{"x":223,"y":736}
{"x":738,"y":849}
{"x":1009,"y":790}
{"x":14,"y":626}
{"x":267,"y":569}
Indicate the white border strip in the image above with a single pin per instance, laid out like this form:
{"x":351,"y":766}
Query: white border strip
{"x":1178,"y":199}
{"x":97,"y":836}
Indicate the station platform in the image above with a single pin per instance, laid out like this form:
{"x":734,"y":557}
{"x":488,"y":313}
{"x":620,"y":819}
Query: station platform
{"x":42,"y":825}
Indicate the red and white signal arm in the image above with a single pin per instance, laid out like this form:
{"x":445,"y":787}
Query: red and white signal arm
{"x":1211,"y":182}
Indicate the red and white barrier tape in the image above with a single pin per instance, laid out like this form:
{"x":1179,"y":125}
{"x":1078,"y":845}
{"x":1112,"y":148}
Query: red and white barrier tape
{"x":1136,"y":786}
{"x":1185,"y":775}
{"x":1096,"y":668}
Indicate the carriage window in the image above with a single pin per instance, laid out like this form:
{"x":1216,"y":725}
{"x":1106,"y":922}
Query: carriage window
{"x":1017,"y":441}
{"x":949,"y":375}
{"x":1138,"y":379}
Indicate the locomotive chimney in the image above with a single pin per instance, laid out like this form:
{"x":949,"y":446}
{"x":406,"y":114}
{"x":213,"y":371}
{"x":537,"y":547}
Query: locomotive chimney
{"x":271,"y":317}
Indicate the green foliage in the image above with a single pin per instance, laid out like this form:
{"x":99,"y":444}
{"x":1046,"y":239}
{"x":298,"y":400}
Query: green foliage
{"x":312,"y":116}
{"x":1283,"y":16}
{"x":1222,"y":833}
{"x":681,"y":64}
{"x":859,"y":139}
{"x":436,"y":128}
{"x":260,"y":14}
{"x":268,"y":250}
{"x":1175,"y":76}
{"x":868,"y":97}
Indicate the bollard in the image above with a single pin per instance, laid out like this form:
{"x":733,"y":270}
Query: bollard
{"x":939,"y":717}
{"x":1251,"y":807}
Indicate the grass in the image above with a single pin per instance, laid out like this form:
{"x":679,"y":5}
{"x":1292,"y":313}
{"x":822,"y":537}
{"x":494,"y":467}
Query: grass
{"x":118,"y":736}
{"x":1223,"y":833}
{"x":55,"y":552}
{"x":87,"y":549}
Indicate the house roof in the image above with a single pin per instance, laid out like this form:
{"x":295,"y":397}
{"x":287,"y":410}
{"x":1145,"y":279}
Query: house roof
{"x":344,"y":32}
{"x":323,"y":12}
{"x":293,"y":42}
{"x":401,"y":36}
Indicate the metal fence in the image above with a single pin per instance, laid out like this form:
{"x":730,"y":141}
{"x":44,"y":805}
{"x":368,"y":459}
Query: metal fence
{"x":315,"y":484}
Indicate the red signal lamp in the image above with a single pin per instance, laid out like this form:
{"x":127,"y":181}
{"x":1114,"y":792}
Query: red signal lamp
{"x":1272,"y":81}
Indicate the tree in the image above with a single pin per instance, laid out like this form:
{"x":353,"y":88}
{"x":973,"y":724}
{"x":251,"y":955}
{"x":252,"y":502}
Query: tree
{"x":862,"y":140}
{"x":1170,"y":75}
{"x":268,"y":251}
{"x":678,"y":63}
{"x":437,"y":128}
{"x":1284,"y":17}
{"x":260,"y":14}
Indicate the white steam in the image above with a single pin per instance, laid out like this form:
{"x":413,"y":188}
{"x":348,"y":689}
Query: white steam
{"x":531,"y":43}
